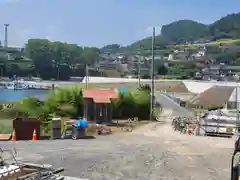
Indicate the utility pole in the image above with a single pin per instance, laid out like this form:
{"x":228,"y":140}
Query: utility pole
{"x":6,"y":35}
{"x":86,"y":76}
{"x":139,"y":67}
{"x":86,"y":102}
{"x":237,"y":108}
{"x":139,"y":77}
{"x":237,"y":102}
{"x":58,"y":71}
{"x":152,"y":75}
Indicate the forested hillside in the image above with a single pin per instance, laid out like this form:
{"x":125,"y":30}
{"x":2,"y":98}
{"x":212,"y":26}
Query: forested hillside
{"x":183,"y":31}
{"x":226,"y":27}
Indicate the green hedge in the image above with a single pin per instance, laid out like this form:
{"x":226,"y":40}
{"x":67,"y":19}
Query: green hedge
{"x":68,"y":102}
{"x":132,"y":104}
{"x":170,"y":77}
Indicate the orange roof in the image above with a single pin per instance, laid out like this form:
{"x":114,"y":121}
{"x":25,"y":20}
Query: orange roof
{"x":100,"y":95}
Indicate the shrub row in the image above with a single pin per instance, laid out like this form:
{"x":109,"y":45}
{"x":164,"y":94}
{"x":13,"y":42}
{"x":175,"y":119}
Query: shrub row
{"x":68,"y":102}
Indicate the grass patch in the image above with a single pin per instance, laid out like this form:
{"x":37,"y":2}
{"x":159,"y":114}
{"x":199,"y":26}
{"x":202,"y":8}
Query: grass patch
{"x":5,"y":126}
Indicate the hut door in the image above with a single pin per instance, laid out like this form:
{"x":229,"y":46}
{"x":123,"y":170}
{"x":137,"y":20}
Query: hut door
{"x":101,"y":113}
{"x":98,"y":113}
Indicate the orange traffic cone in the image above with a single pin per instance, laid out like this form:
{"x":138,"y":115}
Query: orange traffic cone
{"x":14,"y":135}
{"x":34,"y":138}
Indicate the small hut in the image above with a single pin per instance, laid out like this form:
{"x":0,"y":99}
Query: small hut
{"x":97,"y":104}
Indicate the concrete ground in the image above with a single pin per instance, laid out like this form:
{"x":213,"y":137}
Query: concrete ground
{"x":154,"y":152}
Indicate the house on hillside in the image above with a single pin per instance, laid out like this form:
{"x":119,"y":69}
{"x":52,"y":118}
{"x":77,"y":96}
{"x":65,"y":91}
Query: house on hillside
{"x":138,"y":64}
{"x":220,"y":72}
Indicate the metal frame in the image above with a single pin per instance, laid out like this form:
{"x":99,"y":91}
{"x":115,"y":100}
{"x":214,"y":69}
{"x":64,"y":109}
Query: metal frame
{"x":39,"y":172}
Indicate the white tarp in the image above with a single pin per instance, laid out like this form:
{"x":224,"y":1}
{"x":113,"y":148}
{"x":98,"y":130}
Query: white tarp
{"x":6,"y":171}
{"x":235,"y":96}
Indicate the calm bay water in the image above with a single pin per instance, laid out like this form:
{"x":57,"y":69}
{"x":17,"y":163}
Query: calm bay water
{"x":8,"y":95}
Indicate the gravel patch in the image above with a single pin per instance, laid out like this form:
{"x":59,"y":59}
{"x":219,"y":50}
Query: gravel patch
{"x":165,"y":155}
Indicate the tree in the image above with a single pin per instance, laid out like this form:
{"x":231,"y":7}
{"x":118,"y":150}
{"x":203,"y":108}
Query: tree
{"x":59,"y":60}
{"x":162,"y":70}
{"x":90,"y":55}
{"x":40,"y":51}
{"x":228,"y":57}
{"x":111,"y":48}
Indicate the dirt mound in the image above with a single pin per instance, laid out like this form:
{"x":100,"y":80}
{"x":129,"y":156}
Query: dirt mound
{"x":169,"y":86}
{"x":214,"y":96}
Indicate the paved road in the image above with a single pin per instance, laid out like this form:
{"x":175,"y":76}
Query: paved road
{"x":168,"y":103}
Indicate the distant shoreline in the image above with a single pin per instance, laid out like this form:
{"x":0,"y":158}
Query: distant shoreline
{"x":43,"y":84}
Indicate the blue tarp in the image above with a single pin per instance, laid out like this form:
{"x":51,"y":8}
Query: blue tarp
{"x":82,"y":123}
{"x":123,"y":90}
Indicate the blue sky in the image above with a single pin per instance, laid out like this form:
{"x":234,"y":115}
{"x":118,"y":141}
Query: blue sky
{"x":101,"y":22}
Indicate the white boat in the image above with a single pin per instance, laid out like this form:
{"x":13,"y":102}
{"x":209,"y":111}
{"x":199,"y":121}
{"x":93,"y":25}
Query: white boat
{"x":16,"y":86}
{"x":9,"y":86}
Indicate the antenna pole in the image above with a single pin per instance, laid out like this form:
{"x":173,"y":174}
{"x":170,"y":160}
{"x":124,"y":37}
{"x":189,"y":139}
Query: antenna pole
{"x":6,"y":35}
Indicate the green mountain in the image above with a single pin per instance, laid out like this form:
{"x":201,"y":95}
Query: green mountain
{"x":226,"y":27}
{"x":183,"y":31}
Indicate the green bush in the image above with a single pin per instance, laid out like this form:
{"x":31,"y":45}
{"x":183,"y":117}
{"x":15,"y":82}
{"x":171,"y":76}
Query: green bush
{"x":5,"y":129}
{"x":132,"y":104}
{"x":145,"y":87}
{"x":67,"y":110}
{"x":170,"y":77}
{"x":68,"y":102}
{"x":61,"y":97}
{"x":236,"y":42}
